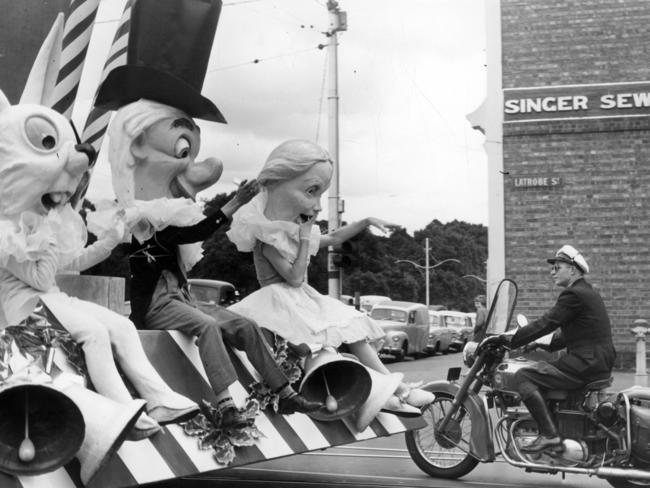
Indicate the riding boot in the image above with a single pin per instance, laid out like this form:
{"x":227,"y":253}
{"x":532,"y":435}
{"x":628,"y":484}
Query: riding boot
{"x":549,"y":437}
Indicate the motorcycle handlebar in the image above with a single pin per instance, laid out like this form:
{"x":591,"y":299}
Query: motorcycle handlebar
{"x":496,"y":340}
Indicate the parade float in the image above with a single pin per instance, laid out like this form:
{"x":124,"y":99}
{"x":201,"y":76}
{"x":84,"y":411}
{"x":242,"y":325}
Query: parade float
{"x":56,"y":429}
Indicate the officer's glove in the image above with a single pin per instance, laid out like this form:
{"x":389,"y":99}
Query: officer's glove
{"x":497,"y":340}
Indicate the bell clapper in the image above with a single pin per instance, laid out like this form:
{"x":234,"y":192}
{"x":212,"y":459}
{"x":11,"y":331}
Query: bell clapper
{"x":26,"y":451}
{"x":330,"y":402}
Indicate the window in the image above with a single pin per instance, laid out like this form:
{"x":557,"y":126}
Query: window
{"x":388,"y":314}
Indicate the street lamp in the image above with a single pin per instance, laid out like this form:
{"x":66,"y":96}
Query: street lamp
{"x":426,"y":267}
{"x":482,"y":280}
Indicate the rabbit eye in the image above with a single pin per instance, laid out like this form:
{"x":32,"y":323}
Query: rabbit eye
{"x":41,"y":133}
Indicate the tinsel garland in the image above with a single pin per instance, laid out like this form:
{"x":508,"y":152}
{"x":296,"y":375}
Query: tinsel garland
{"x":34,"y":339}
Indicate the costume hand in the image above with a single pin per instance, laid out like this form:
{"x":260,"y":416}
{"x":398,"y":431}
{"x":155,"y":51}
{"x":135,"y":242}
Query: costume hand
{"x":380,"y":224}
{"x":246,"y":191}
{"x":305,"y":226}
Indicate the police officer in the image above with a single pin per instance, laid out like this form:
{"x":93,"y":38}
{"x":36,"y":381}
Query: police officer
{"x":582,"y":326}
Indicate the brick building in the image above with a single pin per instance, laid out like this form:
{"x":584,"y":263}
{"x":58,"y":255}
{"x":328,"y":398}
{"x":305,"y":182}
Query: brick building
{"x":567,"y":124}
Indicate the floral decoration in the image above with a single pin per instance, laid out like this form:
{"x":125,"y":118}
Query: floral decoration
{"x":207,"y":425}
{"x":223,"y":440}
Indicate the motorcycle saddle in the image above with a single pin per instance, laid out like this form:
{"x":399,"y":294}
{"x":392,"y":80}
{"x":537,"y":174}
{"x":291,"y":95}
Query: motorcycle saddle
{"x":593,"y":386}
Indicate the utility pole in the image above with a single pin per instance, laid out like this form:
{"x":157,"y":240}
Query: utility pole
{"x":338,"y":22}
{"x":427,"y":267}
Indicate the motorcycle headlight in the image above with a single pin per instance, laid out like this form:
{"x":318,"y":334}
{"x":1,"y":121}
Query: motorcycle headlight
{"x":469,"y":353}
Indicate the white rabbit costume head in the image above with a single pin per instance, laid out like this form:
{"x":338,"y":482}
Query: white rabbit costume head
{"x":41,"y":163}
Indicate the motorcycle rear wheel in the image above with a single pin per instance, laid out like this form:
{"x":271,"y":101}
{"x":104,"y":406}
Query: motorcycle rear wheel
{"x":439,"y":456}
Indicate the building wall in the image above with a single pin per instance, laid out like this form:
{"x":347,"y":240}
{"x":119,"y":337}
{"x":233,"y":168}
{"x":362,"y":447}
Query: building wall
{"x":602,"y":202}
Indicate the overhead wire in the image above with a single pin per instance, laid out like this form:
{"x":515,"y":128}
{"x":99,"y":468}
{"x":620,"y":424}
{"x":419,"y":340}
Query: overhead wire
{"x":260,"y":60}
{"x":240,"y":2}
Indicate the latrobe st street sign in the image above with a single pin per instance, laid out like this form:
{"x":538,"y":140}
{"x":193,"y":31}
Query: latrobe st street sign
{"x":535,"y":181}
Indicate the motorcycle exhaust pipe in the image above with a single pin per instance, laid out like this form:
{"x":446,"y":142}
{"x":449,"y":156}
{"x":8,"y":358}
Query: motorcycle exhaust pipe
{"x":630,"y":474}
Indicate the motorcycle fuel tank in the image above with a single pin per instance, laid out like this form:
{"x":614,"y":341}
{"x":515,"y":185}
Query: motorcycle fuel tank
{"x":504,"y":375}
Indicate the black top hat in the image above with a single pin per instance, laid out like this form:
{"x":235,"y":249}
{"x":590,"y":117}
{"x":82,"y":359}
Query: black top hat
{"x":167,"y":58}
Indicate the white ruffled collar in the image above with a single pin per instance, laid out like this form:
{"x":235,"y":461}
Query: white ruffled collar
{"x":150,"y":216}
{"x":249,"y":225}
{"x":26,"y":237}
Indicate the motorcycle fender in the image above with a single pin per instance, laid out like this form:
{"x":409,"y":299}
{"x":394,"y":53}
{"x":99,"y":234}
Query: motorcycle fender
{"x":481,"y":443}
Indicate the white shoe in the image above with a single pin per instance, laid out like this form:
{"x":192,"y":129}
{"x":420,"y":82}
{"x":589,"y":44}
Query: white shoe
{"x":396,"y":406}
{"x":417,"y":397}
{"x":172,"y":407}
{"x":167,"y":415}
{"x":144,"y":427}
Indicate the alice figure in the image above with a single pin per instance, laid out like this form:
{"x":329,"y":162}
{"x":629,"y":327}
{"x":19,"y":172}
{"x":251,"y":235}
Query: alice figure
{"x":277,"y":225}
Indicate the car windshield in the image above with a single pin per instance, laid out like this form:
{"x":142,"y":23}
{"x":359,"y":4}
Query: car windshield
{"x":388,"y":314}
{"x":453,"y":321}
{"x":434,"y":320}
{"x":204,"y":293}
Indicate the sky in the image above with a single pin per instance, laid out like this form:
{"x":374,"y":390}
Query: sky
{"x":409,"y":72}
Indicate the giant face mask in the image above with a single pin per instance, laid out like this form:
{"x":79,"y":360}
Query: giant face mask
{"x":160,"y":162}
{"x":40,"y":162}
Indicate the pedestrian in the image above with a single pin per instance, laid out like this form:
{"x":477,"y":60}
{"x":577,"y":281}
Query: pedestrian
{"x":481,"y":318}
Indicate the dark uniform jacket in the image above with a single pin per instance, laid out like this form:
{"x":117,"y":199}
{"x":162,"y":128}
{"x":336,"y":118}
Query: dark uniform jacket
{"x":147,"y":260}
{"x":585,"y":331}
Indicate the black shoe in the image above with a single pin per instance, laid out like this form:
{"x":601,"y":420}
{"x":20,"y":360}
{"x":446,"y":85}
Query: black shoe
{"x":297,"y":403}
{"x":543,"y":443}
{"x":232,"y":418}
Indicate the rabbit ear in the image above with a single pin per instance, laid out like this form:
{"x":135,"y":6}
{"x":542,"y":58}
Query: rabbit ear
{"x":42,"y":77}
{"x":4,"y":101}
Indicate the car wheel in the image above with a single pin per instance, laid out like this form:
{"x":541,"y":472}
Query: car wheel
{"x":403,"y":352}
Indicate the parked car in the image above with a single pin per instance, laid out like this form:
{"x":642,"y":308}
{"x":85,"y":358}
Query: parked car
{"x":213,"y":292}
{"x":347,"y":299}
{"x":366,"y":302}
{"x":472,"y":317}
{"x":461,"y":324}
{"x":406,"y":325}
{"x":440,"y":336}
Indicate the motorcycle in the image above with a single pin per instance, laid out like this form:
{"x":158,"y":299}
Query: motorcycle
{"x":604,"y":434}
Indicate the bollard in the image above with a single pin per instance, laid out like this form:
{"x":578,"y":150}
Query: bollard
{"x":640,"y":329}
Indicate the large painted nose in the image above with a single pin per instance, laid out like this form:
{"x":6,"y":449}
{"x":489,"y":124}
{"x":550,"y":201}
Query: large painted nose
{"x":89,"y":151}
{"x":199,"y":176}
{"x":203,"y":174}
{"x":79,"y":159}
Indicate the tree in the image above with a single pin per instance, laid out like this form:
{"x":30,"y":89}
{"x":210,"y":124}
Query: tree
{"x":373,"y":270}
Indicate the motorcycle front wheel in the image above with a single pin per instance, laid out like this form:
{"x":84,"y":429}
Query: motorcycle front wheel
{"x":438,"y":455}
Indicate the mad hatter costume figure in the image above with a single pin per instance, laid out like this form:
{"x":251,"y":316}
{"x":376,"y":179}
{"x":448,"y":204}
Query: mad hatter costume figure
{"x":154,"y":143}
